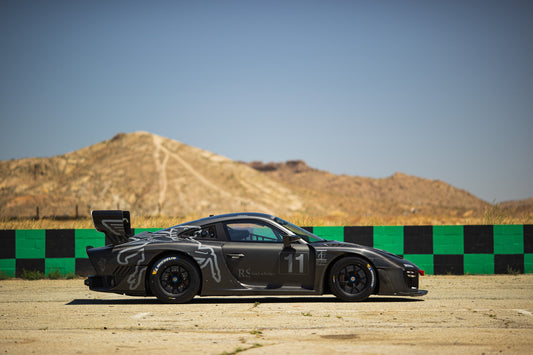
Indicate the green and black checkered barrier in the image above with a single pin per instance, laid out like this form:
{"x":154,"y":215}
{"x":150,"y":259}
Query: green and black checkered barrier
{"x":441,"y":250}
{"x":50,"y":250}
{"x":458,"y":250}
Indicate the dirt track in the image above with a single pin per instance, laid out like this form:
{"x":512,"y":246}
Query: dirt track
{"x":461,"y":314}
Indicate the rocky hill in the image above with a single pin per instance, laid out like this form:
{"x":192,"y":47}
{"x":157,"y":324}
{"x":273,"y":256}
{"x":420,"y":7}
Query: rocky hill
{"x":142,"y":172}
{"x":152,"y":175}
{"x":399,"y":194}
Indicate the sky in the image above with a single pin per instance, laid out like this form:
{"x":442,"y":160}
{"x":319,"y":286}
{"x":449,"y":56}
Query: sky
{"x":436,"y":89}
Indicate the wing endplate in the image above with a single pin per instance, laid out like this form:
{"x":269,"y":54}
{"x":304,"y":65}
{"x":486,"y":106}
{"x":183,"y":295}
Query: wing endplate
{"x":115,"y":224}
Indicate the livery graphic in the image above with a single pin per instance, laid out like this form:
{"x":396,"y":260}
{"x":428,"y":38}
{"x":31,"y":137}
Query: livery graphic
{"x":133,"y":255}
{"x":205,"y":257}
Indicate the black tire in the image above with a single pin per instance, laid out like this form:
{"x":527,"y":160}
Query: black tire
{"x":175,"y":279}
{"x":352,"y":279}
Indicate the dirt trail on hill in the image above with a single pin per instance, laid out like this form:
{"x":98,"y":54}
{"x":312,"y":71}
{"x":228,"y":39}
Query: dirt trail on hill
{"x":461,"y":314}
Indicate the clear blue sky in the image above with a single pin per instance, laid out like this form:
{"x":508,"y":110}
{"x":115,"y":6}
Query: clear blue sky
{"x":437,"y":89}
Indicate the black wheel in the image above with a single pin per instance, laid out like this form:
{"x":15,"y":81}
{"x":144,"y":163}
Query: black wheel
{"x":352,"y":279}
{"x":174,"y":279}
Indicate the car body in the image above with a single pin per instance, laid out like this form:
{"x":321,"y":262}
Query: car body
{"x":240,"y":254}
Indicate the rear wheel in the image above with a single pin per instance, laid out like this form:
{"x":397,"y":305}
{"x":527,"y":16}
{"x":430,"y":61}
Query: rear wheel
{"x":352,"y":279}
{"x":174,"y":279}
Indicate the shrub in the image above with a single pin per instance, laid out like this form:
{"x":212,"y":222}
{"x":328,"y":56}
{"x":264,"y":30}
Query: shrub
{"x":54,"y":274}
{"x":31,"y":275}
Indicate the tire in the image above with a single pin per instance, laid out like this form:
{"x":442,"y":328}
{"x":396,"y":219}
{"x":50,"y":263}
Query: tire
{"x":352,"y":279}
{"x":175,"y":279}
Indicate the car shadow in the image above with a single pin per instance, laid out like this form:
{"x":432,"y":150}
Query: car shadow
{"x":242,"y":300}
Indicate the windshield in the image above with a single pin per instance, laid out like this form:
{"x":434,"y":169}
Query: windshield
{"x":305,"y":235}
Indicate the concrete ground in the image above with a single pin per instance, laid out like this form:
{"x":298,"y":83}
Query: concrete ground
{"x":461,"y":314}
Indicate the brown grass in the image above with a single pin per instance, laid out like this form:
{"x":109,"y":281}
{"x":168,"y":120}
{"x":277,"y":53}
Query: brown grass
{"x":493,"y":215}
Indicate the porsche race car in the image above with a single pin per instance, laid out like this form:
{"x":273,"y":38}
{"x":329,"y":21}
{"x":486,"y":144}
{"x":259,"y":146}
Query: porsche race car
{"x":240,"y":254}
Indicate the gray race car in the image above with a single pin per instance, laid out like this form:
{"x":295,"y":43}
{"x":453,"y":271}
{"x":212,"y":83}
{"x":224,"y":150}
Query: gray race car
{"x":240,"y":254}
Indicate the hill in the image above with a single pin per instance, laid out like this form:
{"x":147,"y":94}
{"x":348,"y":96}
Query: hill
{"x":397,"y":195}
{"x":142,"y":172}
{"x":152,"y":175}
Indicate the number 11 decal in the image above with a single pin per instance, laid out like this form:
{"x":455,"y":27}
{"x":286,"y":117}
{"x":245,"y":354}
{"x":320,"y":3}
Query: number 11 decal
{"x":291,"y":259}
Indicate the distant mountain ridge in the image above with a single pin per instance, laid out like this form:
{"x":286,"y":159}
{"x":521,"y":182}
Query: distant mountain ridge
{"x":394,"y":195}
{"x":152,"y":175}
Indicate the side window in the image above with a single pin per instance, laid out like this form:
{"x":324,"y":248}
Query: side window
{"x":207,"y":232}
{"x":252,"y":232}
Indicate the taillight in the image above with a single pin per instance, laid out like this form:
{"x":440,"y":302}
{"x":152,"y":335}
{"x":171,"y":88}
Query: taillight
{"x":421,"y":272}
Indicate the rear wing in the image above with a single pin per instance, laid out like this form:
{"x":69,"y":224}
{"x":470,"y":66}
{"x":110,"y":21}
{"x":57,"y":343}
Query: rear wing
{"x":115,"y":224}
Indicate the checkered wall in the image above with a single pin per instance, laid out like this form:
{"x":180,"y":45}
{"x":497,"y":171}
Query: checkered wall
{"x":458,"y":250}
{"x":47,"y":250}
{"x":474,"y":249}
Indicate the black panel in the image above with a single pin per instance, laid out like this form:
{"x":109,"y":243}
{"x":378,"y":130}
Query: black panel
{"x":363,"y":235}
{"x":479,"y":239}
{"x":309,"y":229}
{"x":60,"y":243}
{"x":418,"y":240}
{"x":7,"y":244}
{"x":84,"y":267}
{"x":29,"y":265}
{"x":508,"y":263}
{"x":528,"y":238}
{"x":448,"y":264}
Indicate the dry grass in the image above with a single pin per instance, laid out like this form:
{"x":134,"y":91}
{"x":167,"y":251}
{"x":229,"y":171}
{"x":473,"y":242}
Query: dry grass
{"x":494,"y":215}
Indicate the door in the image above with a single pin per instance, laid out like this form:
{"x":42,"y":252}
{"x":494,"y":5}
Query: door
{"x":256,"y":257}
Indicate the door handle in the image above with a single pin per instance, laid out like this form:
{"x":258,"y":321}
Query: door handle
{"x":235,"y":256}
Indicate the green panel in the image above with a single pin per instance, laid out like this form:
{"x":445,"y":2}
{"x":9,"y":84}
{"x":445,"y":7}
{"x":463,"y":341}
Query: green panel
{"x":8,"y":266}
{"x":330,"y":233}
{"x":423,"y":261}
{"x":448,"y":240}
{"x":140,"y":230}
{"x":479,"y":263}
{"x":87,"y":238}
{"x":528,"y":263}
{"x":509,"y":239}
{"x":30,"y":243}
{"x":64,"y":265}
{"x":389,"y":238}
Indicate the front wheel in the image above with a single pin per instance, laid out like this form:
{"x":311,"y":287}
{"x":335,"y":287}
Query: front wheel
{"x":352,"y":279}
{"x":174,"y":279}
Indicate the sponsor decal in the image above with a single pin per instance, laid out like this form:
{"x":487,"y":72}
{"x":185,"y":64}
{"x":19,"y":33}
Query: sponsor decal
{"x":248,"y":273}
{"x":372,"y":273}
{"x":321,"y":257}
{"x":156,"y":268}
{"x":244,"y":273}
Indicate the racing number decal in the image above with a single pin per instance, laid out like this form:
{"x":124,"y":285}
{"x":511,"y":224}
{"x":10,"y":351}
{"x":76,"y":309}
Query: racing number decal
{"x":293,"y":263}
{"x":299,"y":258}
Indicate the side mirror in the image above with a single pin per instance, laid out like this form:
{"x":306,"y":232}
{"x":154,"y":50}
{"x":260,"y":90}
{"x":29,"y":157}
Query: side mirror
{"x":289,"y":239}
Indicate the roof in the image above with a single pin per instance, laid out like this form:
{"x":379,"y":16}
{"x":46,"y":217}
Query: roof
{"x":230,"y":216}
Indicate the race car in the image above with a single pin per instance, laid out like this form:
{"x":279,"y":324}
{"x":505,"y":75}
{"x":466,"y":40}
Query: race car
{"x":240,"y":254}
